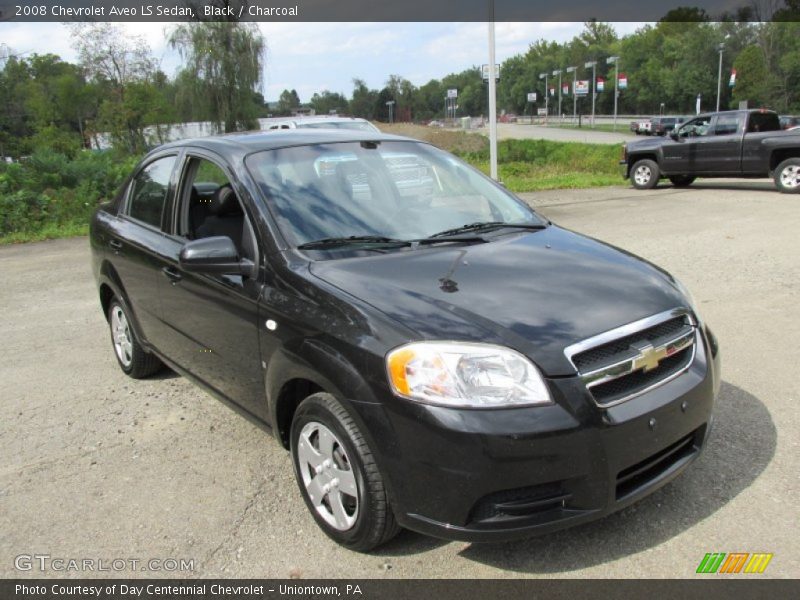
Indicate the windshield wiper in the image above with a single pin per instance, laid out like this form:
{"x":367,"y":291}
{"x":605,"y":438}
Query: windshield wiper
{"x":354,"y":240}
{"x":350,"y":240}
{"x":487,"y":225}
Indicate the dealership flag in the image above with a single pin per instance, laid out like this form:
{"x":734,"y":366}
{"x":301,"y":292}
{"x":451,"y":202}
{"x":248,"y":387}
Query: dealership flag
{"x":601,"y":83}
{"x":623,"y":81}
{"x":582,"y":87}
{"x":733,"y":78}
{"x":565,"y":89}
{"x":552,"y":91}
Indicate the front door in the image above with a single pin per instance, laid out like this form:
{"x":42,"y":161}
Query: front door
{"x":212,"y":320}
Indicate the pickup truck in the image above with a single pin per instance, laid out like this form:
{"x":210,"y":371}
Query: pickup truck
{"x":740,"y":143}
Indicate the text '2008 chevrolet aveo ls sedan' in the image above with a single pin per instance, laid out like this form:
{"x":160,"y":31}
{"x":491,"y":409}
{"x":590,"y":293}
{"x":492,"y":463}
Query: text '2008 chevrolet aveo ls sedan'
{"x":434,"y":354}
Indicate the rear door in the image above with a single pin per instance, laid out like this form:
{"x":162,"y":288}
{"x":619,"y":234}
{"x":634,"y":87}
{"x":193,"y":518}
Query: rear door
{"x":136,"y":239}
{"x":211,"y":321}
{"x":723,"y":148}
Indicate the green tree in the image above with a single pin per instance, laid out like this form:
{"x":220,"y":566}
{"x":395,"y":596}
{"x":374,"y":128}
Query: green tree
{"x":226,"y":60}
{"x":326,"y":102}
{"x":363,"y":100}
{"x":288,"y":101}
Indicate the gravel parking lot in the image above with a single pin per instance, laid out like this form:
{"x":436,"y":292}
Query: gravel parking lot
{"x":99,"y":466}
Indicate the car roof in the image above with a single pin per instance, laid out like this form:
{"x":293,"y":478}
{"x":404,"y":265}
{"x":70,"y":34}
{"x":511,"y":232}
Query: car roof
{"x":257,"y":141}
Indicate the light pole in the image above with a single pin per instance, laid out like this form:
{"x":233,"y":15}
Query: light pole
{"x":719,"y":75}
{"x":593,"y":64}
{"x":492,"y":98}
{"x":558,"y":72}
{"x":546,"y":96}
{"x":574,"y":71}
{"x":615,"y":61}
{"x":390,"y":104}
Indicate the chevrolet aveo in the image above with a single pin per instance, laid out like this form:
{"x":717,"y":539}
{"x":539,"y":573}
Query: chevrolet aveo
{"x":433,"y":353}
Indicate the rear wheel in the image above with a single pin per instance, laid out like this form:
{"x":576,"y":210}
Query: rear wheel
{"x":132,"y":358}
{"x":682,"y":180}
{"x":338,"y":477}
{"x":787,"y":176}
{"x":645,"y":174}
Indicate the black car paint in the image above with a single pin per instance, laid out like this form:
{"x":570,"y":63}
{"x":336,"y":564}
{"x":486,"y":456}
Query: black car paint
{"x":743,"y":154}
{"x":336,"y":319}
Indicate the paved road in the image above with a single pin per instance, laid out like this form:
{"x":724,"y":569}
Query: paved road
{"x":96,"y":465}
{"x":561,"y":134}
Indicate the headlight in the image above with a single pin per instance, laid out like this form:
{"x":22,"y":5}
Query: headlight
{"x":689,"y":298}
{"x":465,"y":375}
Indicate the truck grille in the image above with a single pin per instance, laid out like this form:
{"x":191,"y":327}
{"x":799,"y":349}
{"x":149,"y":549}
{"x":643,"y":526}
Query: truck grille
{"x":630,"y":360}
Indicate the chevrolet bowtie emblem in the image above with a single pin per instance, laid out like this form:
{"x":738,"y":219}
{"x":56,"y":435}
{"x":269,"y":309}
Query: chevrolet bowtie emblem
{"x":649,"y":357}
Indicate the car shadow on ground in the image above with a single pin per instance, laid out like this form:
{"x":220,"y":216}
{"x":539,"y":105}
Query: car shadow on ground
{"x":746,"y":185}
{"x":742,"y":444}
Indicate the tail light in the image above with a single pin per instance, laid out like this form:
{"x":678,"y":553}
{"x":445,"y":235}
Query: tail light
{"x":624,"y":152}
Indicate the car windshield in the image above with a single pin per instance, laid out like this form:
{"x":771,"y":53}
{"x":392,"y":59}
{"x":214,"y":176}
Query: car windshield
{"x":395,"y":190}
{"x":357,"y":125}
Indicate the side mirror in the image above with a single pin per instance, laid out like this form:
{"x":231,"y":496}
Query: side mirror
{"x":674,"y":135}
{"x":215,"y":255}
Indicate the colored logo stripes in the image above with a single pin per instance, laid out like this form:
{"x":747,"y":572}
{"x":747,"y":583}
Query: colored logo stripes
{"x":734,"y":562}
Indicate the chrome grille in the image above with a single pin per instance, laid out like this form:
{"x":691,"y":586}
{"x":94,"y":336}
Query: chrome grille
{"x":630,"y":360}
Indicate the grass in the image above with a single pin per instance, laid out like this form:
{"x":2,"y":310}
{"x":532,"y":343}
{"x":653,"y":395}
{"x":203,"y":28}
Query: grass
{"x":527,"y":165}
{"x":50,"y":231}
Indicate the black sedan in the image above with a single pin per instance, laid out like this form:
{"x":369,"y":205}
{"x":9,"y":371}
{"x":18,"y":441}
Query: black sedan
{"x":434,"y":353}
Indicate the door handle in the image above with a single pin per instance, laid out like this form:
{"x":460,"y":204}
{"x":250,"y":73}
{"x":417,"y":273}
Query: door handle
{"x":116,"y":245}
{"x":172,"y":274}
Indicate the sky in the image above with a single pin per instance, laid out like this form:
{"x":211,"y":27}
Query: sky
{"x":311,"y":57}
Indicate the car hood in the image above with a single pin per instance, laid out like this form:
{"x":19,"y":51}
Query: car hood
{"x":537,"y":292}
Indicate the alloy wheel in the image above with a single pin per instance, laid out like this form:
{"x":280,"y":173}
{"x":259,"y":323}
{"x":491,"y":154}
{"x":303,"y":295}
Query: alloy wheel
{"x":121,"y":333}
{"x":328,"y":476}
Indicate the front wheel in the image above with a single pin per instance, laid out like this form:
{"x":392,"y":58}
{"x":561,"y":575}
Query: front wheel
{"x":682,"y":180}
{"x":645,"y":174}
{"x":787,"y":176}
{"x":338,"y":477}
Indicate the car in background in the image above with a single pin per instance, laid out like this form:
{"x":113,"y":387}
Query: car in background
{"x":734,"y":143}
{"x":642,"y":127}
{"x":322,"y":122}
{"x":663,"y":125}
{"x":789,"y":122}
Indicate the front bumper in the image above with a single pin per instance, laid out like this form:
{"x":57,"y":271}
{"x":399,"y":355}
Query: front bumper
{"x":495,"y":475}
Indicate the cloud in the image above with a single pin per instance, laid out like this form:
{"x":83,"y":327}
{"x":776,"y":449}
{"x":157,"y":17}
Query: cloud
{"x":311,"y":57}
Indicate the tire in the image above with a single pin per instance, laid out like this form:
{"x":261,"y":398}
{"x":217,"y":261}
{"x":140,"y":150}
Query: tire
{"x":362,"y":519}
{"x":682,"y":180}
{"x":645,"y":174}
{"x":787,"y":176}
{"x":132,"y":358}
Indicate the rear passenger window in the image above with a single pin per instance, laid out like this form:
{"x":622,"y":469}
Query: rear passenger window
{"x":149,"y":191}
{"x":727,"y":124}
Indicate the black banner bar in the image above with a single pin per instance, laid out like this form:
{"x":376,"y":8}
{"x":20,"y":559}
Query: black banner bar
{"x":375,"y":10}
{"x":713,"y":588}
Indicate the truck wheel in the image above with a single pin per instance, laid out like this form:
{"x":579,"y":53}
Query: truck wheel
{"x":682,"y":180}
{"x":787,"y":176}
{"x":645,"y":174}
{"x":132,"y":358}
{"x":338,"y":477}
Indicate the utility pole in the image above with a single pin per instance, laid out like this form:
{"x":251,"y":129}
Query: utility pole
{"x":558,"y":72}
{"x":574,"y":71}
{"x":593,"y":64}
{"x":615,"y":61}
{"x":546,"y":97}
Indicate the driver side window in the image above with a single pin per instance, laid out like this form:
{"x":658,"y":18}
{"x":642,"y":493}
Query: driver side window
{"x":696,"y":127}
{"x":209,"y":207}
